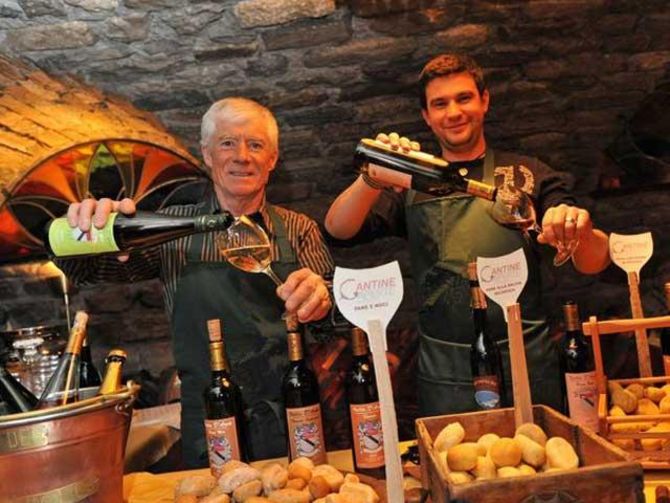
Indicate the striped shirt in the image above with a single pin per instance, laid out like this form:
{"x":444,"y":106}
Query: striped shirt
{"x":166,"y":261}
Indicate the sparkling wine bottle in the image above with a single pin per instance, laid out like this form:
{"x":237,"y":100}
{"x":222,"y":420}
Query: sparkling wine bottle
{"x":485,"y":359}
{"x":364,"y":411}
{"x":665,"y":335}
{"x":417,"y":170}
{"x":89,"y":376}
{"x":63,"y":386}
{"x":14,"y":395}
{"x":300,"y":390}
{"x":581,"y":389}
{"x":224,"y":421}
{"x":112,"y":382}
{"x":126,"y":233}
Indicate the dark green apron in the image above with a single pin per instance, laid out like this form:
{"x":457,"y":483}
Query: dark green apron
{"x":444,"y":235}
{"x":255,"y":338}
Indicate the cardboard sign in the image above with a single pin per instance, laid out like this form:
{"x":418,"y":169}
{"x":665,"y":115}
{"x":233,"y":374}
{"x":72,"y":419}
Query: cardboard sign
{"x":631,"y":252}
{"x":369,"y":298}
{"x":362,"y":295}
{"x":502,"y":278}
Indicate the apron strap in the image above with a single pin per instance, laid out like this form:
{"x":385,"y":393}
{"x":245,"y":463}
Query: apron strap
{"x":286,"y":253}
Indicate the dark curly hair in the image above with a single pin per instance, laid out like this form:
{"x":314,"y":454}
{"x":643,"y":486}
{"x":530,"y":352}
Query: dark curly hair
{"x":448,"y":64}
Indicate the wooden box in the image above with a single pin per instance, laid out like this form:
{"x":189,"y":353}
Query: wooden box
{"x":605,"y":473}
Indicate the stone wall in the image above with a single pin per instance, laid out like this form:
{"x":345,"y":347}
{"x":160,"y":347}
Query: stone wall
{"x":565,"y":76}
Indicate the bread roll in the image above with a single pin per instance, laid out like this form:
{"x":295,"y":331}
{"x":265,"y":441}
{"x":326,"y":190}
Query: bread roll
{"x":217,"y":498}
{"x":273,"y":476}
{"x":299,"y":471}
{"x":319,"y":487}
{"x":463,"y":457}
{"x":664,"y":405}
{"x":654,"y":394}
{"x":636,"y":389}
{"x":186,"y":498}
{"x":289,"y":496}
{"x":487,"y":439}
{"x":624,"y":399}
{"x":505,"y":452}
{"x":258,"y":499}
{"x":246,"y":491}
{"x":450,"y":435}
{"x":485,"y":469}
{"x":232,"y":465}
{"x":532,"y":431}
{"x":457,"y":478}
{"x":332,"y":475}
{"x":615,"y":410}
{"x":298,"y":484}
{"x":508,"y":471}
{"x":526,"y":469}
{"x":197,"y":485}
{"x":560,"y":454}
{"x":235,"y":478}
{"x":646,"y":407}
{"x":359,"y":493}
{"x":532,"y":453}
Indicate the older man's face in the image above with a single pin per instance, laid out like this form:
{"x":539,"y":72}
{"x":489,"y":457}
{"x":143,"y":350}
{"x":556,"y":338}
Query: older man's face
{"x":240,"y":157}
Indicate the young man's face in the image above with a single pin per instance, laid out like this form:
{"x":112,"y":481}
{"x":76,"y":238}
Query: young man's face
{"x":240,"y":157}
{"x":455,"y":112}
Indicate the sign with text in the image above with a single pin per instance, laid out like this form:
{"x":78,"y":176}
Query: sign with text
{"x":368,"y":294}
{"x":502,"y":278}
{"x":631,"y":252}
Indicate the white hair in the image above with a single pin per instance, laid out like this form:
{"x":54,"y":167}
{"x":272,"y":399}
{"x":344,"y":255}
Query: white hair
{"x":236,"y":108}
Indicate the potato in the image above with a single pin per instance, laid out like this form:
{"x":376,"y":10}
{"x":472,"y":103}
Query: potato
{"x":485,"y":469}
{"x":646,"y":407}
{"x":532,"y":431}
{"x":636,"y":389}
{"x":197,"y":485}
{"x":331,"y":474}
{"x":654,"y":394}
{"x":505,"y":452}
{"x":560,"y":454}
{"x":487,"y":439}
{"x":450,"y":435}
{"x":246,"y":491}
{"x":532,"y":453}
{"x":616,"y":411}
{"x":463,"y":457}
{"x":664,"y":405}
{"x":526,"y":469}
{"x":459,"y":477}
{"x":624,"y":399}
{"x":508,"y":471}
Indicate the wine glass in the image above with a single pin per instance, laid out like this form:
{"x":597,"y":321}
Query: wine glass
{"x":512,"y":207}
{"x":246,"y":246}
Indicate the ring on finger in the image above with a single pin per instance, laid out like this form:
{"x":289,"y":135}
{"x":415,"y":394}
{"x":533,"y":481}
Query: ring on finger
{"x":570,"y":220}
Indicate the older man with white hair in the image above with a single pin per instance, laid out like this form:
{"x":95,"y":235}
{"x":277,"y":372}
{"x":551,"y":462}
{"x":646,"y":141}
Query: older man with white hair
{"x":239,"y":142}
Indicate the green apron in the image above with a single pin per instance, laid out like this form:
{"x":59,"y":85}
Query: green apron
{"x":255,"y":338}
{"x":444,"y":235}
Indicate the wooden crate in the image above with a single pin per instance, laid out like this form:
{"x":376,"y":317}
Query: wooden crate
{"x":605,"y":473}
{"x":650,"y":459}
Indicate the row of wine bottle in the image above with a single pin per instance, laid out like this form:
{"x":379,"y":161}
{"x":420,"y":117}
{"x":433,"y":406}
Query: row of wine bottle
{"x":75,"y":370}
{"x":225,"y":426}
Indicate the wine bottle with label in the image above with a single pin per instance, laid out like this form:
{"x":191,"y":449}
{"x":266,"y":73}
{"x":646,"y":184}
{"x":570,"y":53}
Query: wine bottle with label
{"x":417,"y":170}
{"x":485,"y":359}
{"x":14,"y":396}
{"x":581,"y":389}
{"x":665,"y":335}
{"x":63,"y":385}
{"x":367,"y":440}
{"x":126,"y":233}
{"x":112,"y":382}
{"x":89,"y":376}
{"x":223,"y":407}
{"x":300,"y":390}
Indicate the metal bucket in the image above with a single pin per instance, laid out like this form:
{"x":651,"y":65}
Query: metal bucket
{"x":66,"y":454}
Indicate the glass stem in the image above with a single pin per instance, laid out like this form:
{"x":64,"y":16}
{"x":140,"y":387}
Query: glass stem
{"x":268,"y":270}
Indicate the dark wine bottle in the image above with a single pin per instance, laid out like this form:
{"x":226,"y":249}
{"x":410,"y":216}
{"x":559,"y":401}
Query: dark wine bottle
{"x":300,"y":390}
{"x":14,"y":396}
{"x":89,"y":376}
{"x":485,"y":359}
{"x":662,"y":494}
{"x":112,"y":382}
{"x":417,"y":170}
{"x":224,"y":421}
{"x":364,"y":412}
{"x":126,"y":233}
{"x":581,"y":389}
{"x":665,"y":335}
{"x":63,"y":385}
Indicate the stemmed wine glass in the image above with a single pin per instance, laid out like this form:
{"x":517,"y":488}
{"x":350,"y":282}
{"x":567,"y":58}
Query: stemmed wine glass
{"x":514,"y":208}
{"x":246,"y":246}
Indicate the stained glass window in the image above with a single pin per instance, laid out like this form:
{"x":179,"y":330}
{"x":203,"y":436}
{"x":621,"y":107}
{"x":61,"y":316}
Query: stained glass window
{"x":152,"y":176}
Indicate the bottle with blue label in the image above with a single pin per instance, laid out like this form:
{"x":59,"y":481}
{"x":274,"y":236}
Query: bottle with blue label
{"x":485,"y":360}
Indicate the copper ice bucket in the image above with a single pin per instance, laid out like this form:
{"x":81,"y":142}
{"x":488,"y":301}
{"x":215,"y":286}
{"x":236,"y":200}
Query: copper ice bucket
{"x":66,"y":454}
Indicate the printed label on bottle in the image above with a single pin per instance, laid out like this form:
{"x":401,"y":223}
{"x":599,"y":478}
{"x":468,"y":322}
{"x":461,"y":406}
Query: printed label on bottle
{"x":666,"y":364}
{"x":366,"y":423}
{"x":582,"y":392}
{"x":222,"y":443}
{"x":487,"y":392}
{"x":391,"y":176}
{"x":66,"y":241}
{"x":305,"y":433}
